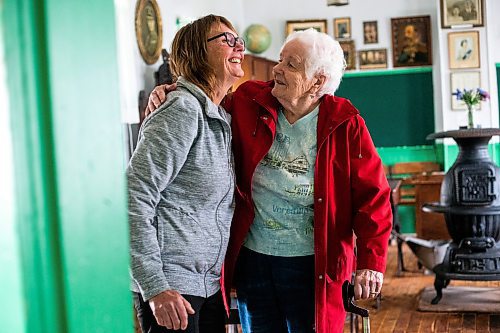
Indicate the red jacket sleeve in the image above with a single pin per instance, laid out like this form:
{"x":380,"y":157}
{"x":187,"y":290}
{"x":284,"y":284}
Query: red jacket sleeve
{"x":372,"y":216}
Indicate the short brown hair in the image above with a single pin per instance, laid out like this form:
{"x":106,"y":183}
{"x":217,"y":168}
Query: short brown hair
{"x":189,"y":54}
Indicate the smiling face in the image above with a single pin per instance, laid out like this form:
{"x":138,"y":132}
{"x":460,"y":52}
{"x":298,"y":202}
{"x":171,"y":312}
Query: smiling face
{"x":224,"y":59}
{"x":291,"y":81}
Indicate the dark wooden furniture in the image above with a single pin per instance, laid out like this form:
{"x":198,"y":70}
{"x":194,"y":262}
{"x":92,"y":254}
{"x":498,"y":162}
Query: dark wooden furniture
{"x":420,"y":182}
{"x":429,"y":225}
{"x":407,"y":171}
{"x":256,"y":68}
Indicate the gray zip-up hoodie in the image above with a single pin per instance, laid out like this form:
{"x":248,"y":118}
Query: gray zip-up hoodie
{"x":181,"y":186}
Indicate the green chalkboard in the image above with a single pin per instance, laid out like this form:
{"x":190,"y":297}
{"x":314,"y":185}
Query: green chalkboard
{"x":397,"y":105}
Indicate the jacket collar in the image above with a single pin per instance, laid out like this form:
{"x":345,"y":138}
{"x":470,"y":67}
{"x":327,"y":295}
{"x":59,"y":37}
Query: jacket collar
{"x":333,"y":110}
{"x":267,"y":100}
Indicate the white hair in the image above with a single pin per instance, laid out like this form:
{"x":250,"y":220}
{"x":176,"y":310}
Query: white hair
{"x":325,"y":57}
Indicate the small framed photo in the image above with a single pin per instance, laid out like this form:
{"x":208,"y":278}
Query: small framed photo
{"x":370,"y":59}
{"x":463,"y":49}
{"x":349,"y":53}
{"x":337,"y":2}
{"x":370,"y":32}
{"x":319,"y":25}
{"x":411,"y":41}
{"x":342,"y":28}
{"x":463,"y":80}
{"x":460,"y":12}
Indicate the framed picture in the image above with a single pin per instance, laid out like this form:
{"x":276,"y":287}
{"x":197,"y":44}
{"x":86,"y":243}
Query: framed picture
{"x":463,"y":49}
{"x":460,"y":12}
{"x":370,"y":59}
{"x":342,"y":28}
{"x":370,"y":32}
{"x":292,"y":26}
{"x":337,"y":2}
{"x":148,"y":30}
{"x":411,"y":41}
{"x":349,"y":53}
{"x":463,"y":80}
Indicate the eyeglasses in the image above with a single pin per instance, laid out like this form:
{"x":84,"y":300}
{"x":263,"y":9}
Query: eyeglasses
{"x":230,"y":39}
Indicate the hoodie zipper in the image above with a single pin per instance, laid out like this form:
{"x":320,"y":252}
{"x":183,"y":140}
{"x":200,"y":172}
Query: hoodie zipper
{"x":231,"y":184}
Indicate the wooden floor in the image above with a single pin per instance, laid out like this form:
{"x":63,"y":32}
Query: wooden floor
{"x":398,"y":310}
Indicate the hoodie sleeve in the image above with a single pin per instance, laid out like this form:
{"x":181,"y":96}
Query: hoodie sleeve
{"x":164,"y":143}
{"x":372,"y":216}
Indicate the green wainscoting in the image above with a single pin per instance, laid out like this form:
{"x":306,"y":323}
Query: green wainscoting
{"x":391,"y":155}
{"x":440,"y":153}
{"x":397,"y":104}
{"x":70,"y":190}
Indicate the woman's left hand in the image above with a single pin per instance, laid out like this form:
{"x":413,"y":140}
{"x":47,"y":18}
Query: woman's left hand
{"x":367,"y":283}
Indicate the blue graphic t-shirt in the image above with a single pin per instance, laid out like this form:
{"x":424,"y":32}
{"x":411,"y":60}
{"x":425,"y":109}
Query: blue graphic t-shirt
{"x":283,"y":191}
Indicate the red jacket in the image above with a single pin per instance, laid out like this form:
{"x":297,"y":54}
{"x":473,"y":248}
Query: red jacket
{"x":351,"y":193}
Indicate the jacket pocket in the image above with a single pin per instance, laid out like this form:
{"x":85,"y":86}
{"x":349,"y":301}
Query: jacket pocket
{"x":339,"y":271}
{"x":183,"y":242}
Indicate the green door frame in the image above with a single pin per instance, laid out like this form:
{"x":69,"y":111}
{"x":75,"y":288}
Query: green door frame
{"x":70,"y":190}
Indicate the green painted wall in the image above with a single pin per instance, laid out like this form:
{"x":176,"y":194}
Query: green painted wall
{"x":70,"y":191}
{"x":396,"y":104}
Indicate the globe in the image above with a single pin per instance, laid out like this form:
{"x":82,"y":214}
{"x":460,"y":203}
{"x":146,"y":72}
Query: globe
{"x":257,"y":38}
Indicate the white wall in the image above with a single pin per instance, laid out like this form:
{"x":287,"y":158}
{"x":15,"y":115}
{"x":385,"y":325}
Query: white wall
{"x":274,"y":14}
{"x":277,"y":12}
{"x":135,"y":74}
{"x":493,"y":52}
{"x":9,"y":246}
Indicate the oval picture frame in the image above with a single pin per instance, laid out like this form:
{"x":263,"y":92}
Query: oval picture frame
{"x":148,"y":30}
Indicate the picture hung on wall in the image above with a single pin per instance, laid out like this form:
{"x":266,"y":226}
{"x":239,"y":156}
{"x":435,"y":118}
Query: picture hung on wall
{"x":349,"y":53}
{"x":370,"y":59}
{"x":342,"y":28}
{"x":370,"y":32}
{"x":319,"y":25}
{"x":462,"y":81}
{"x":411,"y":41}
{"x":461,"y":12}
{"x":337,"y":2}
{"x":148,"y":30}
{"x":463,"y":49}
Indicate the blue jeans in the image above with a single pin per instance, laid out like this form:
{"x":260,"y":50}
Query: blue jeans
{"x":275,"y":294}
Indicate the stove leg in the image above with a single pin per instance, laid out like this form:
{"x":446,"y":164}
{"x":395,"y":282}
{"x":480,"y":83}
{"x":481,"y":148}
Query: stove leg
{"x":400,"y":266}
{"x":439,"y":285}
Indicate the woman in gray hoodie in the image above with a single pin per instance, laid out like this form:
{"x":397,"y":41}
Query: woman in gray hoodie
{"x":181,"y":185}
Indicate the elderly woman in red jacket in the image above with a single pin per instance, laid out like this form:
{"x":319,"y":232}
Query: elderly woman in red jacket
{"x":310,"y":188}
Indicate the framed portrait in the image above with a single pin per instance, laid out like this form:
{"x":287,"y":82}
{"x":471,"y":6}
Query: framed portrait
{"x":148,"y":30}
{"x":462,"y":12}
{"x":349,"y":53}
{"x":411,"y":41}
{"x":370,"y":59}
{"x":463,"y":80}
{"x":463,"y":49}
{"x":370,"y":32}
{"x":319,"y":25}
{"x":337,"y":2}
{"x":342,"y":28}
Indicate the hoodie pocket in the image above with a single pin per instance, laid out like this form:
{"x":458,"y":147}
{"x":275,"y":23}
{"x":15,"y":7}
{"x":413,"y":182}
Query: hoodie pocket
{"x":183,"y":242}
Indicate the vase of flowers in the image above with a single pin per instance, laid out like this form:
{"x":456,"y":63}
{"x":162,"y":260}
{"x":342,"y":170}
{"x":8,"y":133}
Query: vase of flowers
{"x":471,"y":98}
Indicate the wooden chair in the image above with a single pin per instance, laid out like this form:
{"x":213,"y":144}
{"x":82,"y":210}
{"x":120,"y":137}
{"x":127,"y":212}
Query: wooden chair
{"x":407,"y":172}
